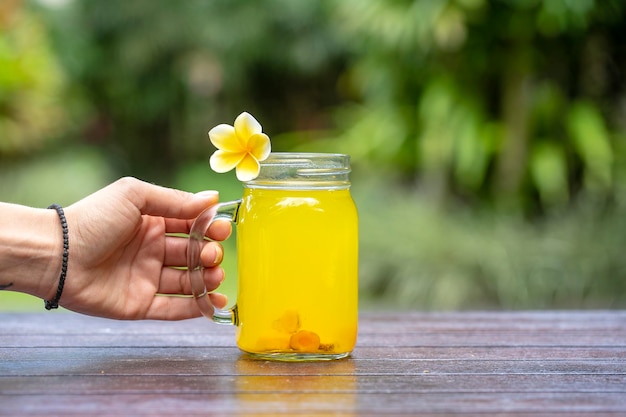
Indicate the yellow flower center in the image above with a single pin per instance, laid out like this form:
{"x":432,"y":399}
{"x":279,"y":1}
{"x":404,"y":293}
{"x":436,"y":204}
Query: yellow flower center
{"x":241,"y":146}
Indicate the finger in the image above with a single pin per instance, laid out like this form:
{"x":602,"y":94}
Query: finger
{"x":165,"y":202}
{"x":175,"y":251}
{"x":180,"y":308}
{"x":218,"y":300}
{"x":176,"y":281}
{"x":212,"y":253}
{"x":173,"y":308}
{"x":220,"y":230}
{"x":178,"y":225}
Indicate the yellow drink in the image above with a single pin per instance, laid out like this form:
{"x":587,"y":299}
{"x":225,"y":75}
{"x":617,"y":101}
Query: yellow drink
{"x":297,"y":245}
{"x":298,"y":272}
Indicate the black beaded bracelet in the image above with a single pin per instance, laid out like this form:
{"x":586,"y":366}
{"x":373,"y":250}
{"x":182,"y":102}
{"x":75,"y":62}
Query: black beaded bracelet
{"x":54,"y":303}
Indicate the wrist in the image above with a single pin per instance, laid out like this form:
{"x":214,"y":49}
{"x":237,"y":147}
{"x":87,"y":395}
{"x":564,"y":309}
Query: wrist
{"x":54,"y":302}
{"x":31,"y":249}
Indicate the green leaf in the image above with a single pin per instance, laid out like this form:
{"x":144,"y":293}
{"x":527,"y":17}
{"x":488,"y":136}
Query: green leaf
{"x":548,"y":170}
{"x":590,"y":137}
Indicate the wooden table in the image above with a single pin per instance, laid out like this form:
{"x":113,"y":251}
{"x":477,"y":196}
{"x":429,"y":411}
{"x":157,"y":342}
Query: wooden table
{"x":475,"y":363}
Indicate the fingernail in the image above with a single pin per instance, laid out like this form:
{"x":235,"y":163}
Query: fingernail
{"x":208,"y":193}
{"x":219,"y":254}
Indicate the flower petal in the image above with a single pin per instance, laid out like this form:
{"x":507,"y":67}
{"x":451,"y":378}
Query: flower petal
{"x":246,"y":126}
{"x":224,"y":137}
{"x":224,"y":161}
{"x":259,"y":146}
{"x":248,"y":168}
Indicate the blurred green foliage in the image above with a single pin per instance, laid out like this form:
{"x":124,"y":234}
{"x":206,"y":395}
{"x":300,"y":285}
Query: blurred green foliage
{"x":31,"y":83}
{"x":487,"y":136}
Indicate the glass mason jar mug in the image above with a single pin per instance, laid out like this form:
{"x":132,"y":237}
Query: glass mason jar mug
{"x":297,"y":253}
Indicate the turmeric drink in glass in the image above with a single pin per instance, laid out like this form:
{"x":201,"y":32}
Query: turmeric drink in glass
{"x":297,"y":250}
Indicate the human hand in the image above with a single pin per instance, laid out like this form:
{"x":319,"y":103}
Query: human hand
{"x":122,"y":263}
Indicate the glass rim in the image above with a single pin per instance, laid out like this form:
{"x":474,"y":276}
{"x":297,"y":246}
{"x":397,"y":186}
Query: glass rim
{"x":303,"y":170}
{"x":304,"y":155}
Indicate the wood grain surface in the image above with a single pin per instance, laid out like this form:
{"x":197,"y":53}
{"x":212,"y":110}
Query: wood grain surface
{"x":566,"y":363}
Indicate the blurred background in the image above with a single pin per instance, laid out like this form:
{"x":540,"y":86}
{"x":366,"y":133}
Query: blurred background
{"x":487,"y":137}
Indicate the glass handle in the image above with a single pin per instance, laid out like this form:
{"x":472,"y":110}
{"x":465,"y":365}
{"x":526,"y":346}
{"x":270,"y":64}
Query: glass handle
{"x":197,"y":238}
